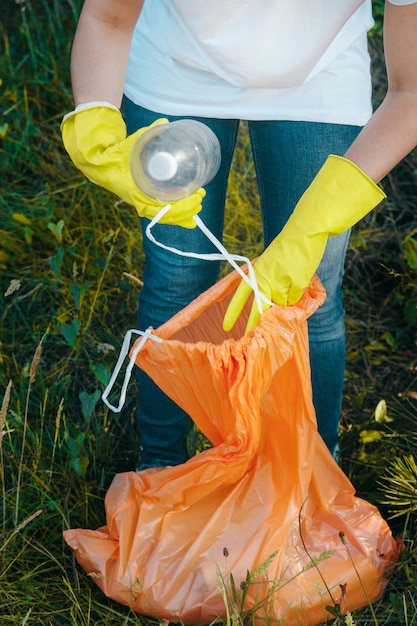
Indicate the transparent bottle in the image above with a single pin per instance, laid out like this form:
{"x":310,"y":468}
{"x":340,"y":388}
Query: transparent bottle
{"x":171,"y":161}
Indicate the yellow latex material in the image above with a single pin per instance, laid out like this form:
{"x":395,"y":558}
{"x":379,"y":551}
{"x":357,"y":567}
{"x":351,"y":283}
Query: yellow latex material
{"x":97,"y":142}
{"x":268,"y":486}
{"x":339,"y":196}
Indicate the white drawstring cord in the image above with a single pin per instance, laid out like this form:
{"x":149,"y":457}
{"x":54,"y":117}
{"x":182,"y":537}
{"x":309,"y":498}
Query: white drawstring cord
{"x":124,"y":351}
{"x":249,"y":278}
{"x":223,"y":254}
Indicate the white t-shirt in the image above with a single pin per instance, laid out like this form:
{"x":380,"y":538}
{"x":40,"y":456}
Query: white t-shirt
{"x":254,"y":59}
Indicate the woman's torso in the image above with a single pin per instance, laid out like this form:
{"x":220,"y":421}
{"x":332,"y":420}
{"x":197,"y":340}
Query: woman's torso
{"x":253,"y":59}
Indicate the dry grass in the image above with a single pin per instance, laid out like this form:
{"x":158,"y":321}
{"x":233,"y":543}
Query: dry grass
{"x":69,"y":258}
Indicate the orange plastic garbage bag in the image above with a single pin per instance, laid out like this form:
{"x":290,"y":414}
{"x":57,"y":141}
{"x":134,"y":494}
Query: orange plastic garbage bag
{"x":267,"y":498}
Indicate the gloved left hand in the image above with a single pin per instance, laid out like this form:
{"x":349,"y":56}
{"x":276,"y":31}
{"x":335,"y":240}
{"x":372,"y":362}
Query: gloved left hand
{"x":95,"y":137}
{"x":339,"y":196}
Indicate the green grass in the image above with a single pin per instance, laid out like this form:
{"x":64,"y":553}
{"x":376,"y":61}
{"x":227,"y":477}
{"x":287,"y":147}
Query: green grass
{"x":69,"y":256}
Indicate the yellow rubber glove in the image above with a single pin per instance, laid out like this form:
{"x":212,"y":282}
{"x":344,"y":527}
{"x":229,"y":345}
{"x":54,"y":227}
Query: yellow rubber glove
{"x":339,"y":196}
{"x":95,"y":137}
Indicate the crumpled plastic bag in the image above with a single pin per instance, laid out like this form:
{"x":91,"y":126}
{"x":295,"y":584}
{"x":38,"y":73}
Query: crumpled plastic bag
{"x":267,"y":498}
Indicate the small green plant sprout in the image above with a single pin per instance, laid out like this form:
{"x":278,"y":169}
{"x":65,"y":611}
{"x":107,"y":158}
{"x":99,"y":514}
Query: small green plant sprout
{"x":334,"y":609}
{"x":134,"y":589}
{"x":77,"y":455}
{"x":409,"y":246}
{"x":371,"y":608}
{"x":88,"y":403}
{"x":381,"y":413}
{"x":234,"y":596}
{"x":70,"y":333}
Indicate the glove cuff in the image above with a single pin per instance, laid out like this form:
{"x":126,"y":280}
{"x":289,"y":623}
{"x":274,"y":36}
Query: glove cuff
{"x":339,"y":196}
{"x":373,"y":189}
{"x":89,"y":105}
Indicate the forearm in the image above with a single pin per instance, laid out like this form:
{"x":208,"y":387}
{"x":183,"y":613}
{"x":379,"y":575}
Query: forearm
{"x":388,"y":137}
{"x":391,"y":133}
{"x":101,"y":49}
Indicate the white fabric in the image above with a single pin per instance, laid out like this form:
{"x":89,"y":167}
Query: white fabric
{"x":253,"y":59}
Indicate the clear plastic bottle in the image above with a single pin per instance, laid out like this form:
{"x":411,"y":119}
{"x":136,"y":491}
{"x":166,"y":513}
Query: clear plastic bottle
{"x":171,"y":161}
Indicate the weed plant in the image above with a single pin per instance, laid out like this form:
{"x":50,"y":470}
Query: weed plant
{"x":70,"y":267}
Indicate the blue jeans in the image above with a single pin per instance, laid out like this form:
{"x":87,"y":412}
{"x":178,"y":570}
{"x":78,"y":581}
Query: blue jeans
{"x":287,"y":156}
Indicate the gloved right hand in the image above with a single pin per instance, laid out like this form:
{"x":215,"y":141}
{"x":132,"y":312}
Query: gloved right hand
{"x":95,"y":137}
{"x":338,"y":197}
